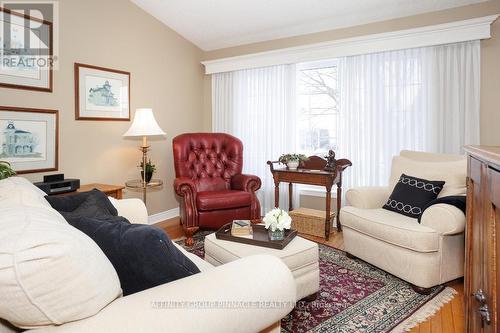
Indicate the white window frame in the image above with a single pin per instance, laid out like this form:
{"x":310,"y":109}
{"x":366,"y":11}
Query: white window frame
{"x":312,"y":190}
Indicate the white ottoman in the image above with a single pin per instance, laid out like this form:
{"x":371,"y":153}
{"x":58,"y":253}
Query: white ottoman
{"x":300,"y":255}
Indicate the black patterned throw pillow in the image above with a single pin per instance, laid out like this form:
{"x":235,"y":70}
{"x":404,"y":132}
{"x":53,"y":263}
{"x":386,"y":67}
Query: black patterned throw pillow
{"x":411,"y":195}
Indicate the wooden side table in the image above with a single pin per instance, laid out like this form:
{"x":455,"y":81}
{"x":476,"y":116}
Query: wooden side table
{"x":311,"y":172}
{"x":115,"y":191}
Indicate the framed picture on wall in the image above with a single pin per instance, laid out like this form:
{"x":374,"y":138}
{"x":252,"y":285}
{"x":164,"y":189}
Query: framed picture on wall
{"x":23,"y":67}
{"x":29,"y":139}
{"x":101,"y":93}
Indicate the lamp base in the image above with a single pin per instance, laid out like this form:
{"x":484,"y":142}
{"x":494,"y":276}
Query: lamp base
{"x":144,"y":148}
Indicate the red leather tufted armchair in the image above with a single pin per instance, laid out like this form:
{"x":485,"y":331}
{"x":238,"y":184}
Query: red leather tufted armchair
{"x":209,"y":182}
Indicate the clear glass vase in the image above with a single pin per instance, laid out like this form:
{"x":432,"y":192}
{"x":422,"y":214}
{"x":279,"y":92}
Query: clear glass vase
{"x":276,"y":235}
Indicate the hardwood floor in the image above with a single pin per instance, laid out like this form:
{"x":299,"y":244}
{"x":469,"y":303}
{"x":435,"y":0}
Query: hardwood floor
{"x":172,"y":227}
{"x":449,"y":319}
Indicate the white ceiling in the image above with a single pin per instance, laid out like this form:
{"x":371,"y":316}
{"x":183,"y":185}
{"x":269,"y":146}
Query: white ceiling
{"x":215,"y":24}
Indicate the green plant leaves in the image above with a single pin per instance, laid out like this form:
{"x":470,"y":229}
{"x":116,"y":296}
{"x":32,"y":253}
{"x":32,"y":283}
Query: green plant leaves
{"x":285,"y":158}
{"x":5,"y":170}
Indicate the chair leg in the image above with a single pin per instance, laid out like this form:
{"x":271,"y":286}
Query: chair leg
{"x":189,"y":232}
{"x":420,"y":290}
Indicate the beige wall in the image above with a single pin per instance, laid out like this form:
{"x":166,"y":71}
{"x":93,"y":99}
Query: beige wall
{"x":166,"y":75}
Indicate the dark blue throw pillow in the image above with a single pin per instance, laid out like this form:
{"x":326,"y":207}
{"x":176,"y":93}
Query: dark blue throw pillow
{"x":142,"y":255}
{"x":92,"y":203}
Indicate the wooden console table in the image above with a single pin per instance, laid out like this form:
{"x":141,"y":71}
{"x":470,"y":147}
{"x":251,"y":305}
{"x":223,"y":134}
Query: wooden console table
{"x":311,"y":172}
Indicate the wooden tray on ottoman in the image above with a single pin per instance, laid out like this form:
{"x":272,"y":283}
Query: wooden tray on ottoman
{"x":260,"y":237}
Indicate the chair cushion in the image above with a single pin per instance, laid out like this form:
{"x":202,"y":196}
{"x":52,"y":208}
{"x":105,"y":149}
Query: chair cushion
{"x":50,"y":273}
{"x":453,"y":173}
{"x":301,"y":256}
{"x":411,"y":195}
{"x":297,"y":254}
{"x":18,"y":190}
{"x":391,"y":227}
{"x":213,"y":200}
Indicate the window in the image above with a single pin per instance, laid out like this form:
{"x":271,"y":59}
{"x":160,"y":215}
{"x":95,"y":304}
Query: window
{"x":317,"y":107}
{"x":366,"y":107}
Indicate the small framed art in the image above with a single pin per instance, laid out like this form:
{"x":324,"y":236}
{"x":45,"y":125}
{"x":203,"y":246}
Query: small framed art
{"x":101,"y":93}
{"x":29,"y":139}
{"x":22,"y":67}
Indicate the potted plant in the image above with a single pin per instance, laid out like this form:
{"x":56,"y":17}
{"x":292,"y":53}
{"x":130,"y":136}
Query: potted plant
{"x":6,"y":170}
{"x":292,"y":161}
{"x":150,"y":170}
{"x":276,"y":222}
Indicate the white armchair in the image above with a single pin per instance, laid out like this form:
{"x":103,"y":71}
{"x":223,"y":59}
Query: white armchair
{"x":425,"y":254}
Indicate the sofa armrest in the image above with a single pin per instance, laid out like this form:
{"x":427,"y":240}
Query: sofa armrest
{"x":368,"y":197}
{"x":445,"y":219}
{"x":246,"y":295}
{"x":133,"y":210}
{"x":184,"y":186}
{"x":247,"y":183}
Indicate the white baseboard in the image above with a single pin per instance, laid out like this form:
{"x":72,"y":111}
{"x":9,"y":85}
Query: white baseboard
{"x":168,"y":214}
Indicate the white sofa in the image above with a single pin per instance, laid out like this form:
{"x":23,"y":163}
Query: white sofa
{"x":425,"y":254}
{"x":43,"y":276}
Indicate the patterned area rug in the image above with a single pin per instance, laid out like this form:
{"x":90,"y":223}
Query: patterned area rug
{"x":356,"y":297}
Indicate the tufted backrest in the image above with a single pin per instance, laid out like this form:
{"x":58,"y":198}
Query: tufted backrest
{"x":209,"y":159}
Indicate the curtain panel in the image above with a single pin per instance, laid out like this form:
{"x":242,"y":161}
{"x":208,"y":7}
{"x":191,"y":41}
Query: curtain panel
{"x":257,"y":106}
{"x":423,"y":99}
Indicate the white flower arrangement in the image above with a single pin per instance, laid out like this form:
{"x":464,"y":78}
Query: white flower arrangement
{"x":277,"y":219}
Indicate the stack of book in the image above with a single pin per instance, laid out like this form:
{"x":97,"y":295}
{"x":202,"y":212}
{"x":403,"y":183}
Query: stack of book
{"x":241,"y":228}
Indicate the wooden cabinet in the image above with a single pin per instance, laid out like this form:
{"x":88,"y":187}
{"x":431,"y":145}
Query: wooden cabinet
{"x":482,"y":258}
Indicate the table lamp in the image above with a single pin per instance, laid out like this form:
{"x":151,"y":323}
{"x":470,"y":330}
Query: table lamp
{"x":144,"y":125}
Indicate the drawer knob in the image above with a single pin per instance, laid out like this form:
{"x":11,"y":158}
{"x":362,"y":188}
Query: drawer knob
{"x":479,"y":296}
{"x":484,"y":312}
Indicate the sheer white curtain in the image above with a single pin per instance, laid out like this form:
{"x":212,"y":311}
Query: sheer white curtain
{"x":421,"y":99}
{"x":257,"y":106}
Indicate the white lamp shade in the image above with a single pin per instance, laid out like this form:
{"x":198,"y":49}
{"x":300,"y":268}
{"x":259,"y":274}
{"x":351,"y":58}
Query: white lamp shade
{"x":144,"y":124}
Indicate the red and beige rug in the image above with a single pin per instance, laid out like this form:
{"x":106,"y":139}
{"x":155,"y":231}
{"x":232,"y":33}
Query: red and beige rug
{"x":357,"y":297}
